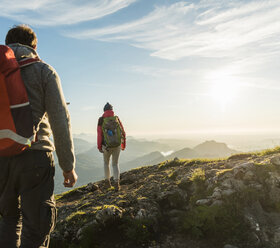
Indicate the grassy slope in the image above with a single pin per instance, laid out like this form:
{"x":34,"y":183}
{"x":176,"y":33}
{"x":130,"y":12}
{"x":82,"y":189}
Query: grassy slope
{"x":143,"y":188}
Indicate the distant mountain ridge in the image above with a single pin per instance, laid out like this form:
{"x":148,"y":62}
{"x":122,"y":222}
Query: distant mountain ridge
{"x":207,"y":149}
{"x":214,"y":149}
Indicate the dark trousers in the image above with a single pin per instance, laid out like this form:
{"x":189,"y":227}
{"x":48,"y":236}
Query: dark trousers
{"x":27,"y":204}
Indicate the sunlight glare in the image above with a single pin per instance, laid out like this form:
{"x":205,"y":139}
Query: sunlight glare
{"x":223,"y":90}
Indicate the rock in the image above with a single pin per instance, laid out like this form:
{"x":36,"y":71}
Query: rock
{"x":106,"y":213}
{"x":230,"y":246}
{"x":228,"y":192}
{"x":151,"y":195}
{"x":142,"y":213}
{"x":185,"y":183}
{"x":173,"y":197}
{"x":275,"y":161}
{"x":92,"y":187}
{"x":256,"y":186}
{"x":175,"y":213}
{"x":217,"y":193}
{"x":254,"y":238}
{"x":66,"y":234}
{"x":79,"y":234}
{"x":243,"y":167}
{"x":217,"y":203}
{"x":227,"y":183}
{"x":226,"y":175}
{"x":239,"y":174}
{"x":249,"y":176}
{"x":254,"y":225}
{"x":203,"y":202}
{"x":237,"y":184}
{"x":276,"y":237}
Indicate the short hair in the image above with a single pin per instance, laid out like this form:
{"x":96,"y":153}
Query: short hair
{"x":22,"y":34}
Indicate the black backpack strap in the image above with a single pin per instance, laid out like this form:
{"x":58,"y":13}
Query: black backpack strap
{"x":100,"y":121}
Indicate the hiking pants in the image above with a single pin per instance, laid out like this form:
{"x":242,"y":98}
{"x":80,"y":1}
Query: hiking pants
{"x":27,"y":203}
{"x":115,"y":153}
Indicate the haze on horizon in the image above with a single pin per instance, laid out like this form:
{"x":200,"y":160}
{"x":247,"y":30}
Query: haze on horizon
{"x":168,"y":67}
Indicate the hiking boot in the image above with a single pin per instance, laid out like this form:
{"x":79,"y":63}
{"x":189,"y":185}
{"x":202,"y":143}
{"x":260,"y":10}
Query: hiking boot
{"x":108,"y":184}
{"x":117,"y":186}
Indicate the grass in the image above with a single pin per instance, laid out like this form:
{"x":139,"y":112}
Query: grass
{"x":209,"y":222}
{"x":274,"y":150}
{"x":201,"y":222}
{"x":198,"y":175}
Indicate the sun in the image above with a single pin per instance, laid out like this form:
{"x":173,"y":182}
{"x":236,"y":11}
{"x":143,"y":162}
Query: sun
{"x":223,"y":90}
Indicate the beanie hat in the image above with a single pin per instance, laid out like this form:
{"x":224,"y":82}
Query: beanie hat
{"x":108,"y":106}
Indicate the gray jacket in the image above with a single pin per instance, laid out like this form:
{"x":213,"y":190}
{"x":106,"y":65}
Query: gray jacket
{"x":50,"y":114}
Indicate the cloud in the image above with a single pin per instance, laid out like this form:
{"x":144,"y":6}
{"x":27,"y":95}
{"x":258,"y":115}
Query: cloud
{"x":59,"y":12}
{"x":158,"y":72}
{"x":206,"y":29}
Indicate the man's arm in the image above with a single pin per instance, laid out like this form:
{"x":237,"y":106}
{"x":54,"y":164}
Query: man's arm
{"x":59,"y":120}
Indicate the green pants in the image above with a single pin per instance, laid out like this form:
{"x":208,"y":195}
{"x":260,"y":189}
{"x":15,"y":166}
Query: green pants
{"x":27,"y":203}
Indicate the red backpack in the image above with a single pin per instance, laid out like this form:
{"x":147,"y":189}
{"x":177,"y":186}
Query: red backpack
{"x":16,"y":122}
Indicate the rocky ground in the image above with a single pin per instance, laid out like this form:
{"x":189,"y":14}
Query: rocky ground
{"x":225,"y":203}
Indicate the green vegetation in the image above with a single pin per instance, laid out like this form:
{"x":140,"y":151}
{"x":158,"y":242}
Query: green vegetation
{"x":113,"y":231}
{"x":222,"y":172}
{"x":198,"y":175}
{"x":68,"y":194}
{"x":269,"y":151}
{"x":209,"y":222}
{"x":179,"y":213}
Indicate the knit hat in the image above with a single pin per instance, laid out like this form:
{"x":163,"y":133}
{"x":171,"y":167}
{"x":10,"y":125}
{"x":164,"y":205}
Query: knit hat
{"x":108,"y":106}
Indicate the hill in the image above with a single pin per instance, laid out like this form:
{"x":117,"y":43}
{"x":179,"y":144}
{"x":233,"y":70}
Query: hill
{"x":89,"y":162}
{"x":213,"y":149}
{"x":184,"y":153}
{"x":151,"y":158}
{"x":227,"y":203}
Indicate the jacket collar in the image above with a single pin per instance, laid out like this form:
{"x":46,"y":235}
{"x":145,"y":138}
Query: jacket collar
{"x":108,"y":113}
{"x":23,"y":51}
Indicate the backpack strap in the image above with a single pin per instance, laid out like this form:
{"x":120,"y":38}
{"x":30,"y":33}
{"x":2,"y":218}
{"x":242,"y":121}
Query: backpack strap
{"x":28,"y":61}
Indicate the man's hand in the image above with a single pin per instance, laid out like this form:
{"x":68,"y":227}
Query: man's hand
{"x":70,"y":178}
{"x":100,"y":150}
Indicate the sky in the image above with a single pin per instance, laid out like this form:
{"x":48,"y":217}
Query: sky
{"x":169,"y":68}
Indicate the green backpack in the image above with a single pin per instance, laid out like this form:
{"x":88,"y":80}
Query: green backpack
{"x":112,"y":131}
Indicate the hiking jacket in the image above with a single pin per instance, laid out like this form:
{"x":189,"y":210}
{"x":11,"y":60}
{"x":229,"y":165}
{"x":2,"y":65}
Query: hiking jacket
{"x":49,"y":110}
{"x":100,"y":142}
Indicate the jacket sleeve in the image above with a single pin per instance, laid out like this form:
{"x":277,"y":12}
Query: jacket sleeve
{"x":59,"y":120}
{"x":123,"y":145}
{"x":99,"y":133}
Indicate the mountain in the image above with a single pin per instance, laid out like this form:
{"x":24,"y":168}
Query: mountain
{"x":89,"y":137}
{"x":136,"y":148}
{"x":184,"y":153}
{"x":81,"y":145}
{"x":148,"y":159}
{"x":178,"y":144}
{"x":227,"y":203}
{"x":213,"y":149}
{"x":89,"y":166}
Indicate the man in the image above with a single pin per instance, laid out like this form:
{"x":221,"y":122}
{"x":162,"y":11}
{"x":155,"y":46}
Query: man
{"x":27,"y":202}
{"x":110,"y":146}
